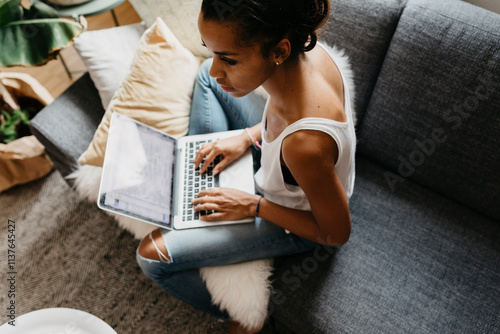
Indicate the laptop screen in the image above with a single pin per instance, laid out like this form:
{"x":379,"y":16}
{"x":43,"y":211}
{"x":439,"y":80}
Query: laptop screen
{"x":138,"y":171}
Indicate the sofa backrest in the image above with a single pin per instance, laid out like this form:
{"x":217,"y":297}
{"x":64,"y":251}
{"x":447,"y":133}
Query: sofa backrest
{"x":434,"y":115}
{"x":363,"y":29}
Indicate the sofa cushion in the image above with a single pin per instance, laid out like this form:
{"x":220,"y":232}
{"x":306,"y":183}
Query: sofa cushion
{"x":364,"y":30}
{"x":107,"y":55}
{"x":157,"y":91}
{"x":433,"y":116}
{"x":416,"y":262}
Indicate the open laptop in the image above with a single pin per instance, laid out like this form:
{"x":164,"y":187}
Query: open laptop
{"x":150,"y":176}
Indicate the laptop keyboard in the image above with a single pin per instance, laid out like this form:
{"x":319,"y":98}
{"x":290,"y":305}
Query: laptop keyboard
{"x":194,"y":182}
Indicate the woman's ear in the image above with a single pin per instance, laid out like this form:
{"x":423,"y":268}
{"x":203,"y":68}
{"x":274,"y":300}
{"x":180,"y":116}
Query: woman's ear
{"x":282,"y":51}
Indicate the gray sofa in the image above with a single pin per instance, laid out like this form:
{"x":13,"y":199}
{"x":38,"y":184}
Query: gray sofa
{"x":424,"y":254}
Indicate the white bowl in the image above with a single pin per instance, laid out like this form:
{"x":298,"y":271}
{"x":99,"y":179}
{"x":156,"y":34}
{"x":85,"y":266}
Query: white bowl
{"x":57,"y":320}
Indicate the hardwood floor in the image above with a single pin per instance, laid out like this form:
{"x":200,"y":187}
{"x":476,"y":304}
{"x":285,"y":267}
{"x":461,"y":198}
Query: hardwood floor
{"x":52,"y":75}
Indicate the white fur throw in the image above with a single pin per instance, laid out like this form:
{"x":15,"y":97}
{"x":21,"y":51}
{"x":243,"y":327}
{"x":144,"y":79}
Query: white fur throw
{"x":343,"y":64}
{"x":242,"y":289}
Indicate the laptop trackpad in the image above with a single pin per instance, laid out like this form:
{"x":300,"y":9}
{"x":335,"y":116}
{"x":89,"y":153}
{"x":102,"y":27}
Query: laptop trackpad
{"x":239,"y":174}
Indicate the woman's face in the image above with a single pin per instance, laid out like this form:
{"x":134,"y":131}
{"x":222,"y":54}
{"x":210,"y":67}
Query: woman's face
{"x":238,"y":70}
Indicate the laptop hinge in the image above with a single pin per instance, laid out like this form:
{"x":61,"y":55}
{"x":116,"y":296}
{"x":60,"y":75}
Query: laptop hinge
{"x":175,"y":185}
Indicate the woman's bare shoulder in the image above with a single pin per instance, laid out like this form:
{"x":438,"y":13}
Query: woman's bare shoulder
{"x":309,"y":147}
{"x":325,"y":98}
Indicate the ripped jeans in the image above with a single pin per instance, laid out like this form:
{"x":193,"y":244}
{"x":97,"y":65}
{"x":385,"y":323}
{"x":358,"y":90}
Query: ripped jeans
{"x":215,"y":110}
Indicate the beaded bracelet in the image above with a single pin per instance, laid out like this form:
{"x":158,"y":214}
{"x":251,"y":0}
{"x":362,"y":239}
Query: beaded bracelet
{"x":255,"y":143}
{"x":258,"y":206}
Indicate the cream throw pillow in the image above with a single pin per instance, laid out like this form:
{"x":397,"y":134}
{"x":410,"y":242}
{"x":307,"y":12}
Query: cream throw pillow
{"x":108,"y":54}
{"x":157,"y":91}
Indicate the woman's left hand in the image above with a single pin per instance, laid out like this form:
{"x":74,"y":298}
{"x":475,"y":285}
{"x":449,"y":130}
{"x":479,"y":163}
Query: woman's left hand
{"x":229,"y":204}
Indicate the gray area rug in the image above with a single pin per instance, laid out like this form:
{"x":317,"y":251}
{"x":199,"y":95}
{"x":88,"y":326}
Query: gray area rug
{"x":71,"y":254}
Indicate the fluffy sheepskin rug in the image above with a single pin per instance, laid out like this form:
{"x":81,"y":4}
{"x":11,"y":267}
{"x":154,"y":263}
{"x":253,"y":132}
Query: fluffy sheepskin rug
{"x":241,"y":289}
{"x":343,"y":64}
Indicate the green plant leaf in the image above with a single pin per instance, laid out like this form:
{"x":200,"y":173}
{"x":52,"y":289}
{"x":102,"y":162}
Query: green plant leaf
{"x":40,"y":10}
{"x":34,"y":42}
{"x":22,"y":116}
{"x":7,"y":116}
{"x":10,"y":10}
{"x":9,"y":129}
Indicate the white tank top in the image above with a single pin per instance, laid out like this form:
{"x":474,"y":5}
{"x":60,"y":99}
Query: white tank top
{"x":269,"y":178}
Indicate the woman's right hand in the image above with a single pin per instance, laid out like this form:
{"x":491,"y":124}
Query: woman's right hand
{"x":229,"y":149}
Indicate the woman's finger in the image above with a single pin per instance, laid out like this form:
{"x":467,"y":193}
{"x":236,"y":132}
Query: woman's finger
{"x":210,"y":192}
{"x":208,"y":160}
{"x":203,"y":151}
{"x":216,"y":216}
{"x":207,"y":207}
{"x":221,"y":165}
{"x":204,"y":196}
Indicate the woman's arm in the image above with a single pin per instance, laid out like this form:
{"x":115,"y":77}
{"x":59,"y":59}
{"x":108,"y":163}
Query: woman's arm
{"x":256,"y":131}
{"x":230,"y":148}
{"x":311,"y":157}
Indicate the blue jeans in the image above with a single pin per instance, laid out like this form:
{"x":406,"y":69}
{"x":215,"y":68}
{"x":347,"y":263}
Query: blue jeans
{"x":215,"y":110}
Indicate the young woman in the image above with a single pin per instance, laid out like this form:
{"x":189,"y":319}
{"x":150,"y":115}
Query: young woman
{"x":308,"y":144}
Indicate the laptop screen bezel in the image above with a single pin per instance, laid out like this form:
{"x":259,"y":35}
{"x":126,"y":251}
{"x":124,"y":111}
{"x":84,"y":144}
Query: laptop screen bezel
{"x":115,"y":121}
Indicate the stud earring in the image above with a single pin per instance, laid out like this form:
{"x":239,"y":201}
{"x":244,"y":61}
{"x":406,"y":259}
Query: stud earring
{"x":277,"y":63}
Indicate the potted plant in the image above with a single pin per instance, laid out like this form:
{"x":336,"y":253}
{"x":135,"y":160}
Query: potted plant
{"x":29,"y":36}
{"x":12,"y":125}
{"x":22,"y":156}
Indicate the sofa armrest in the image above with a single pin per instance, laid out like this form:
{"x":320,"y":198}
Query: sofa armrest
{"x":67,"y":126}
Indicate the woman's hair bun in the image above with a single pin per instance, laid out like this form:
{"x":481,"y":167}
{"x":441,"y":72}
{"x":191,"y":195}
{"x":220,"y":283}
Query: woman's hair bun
{"x":318,"y":16}
{"x":269,"y":21}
